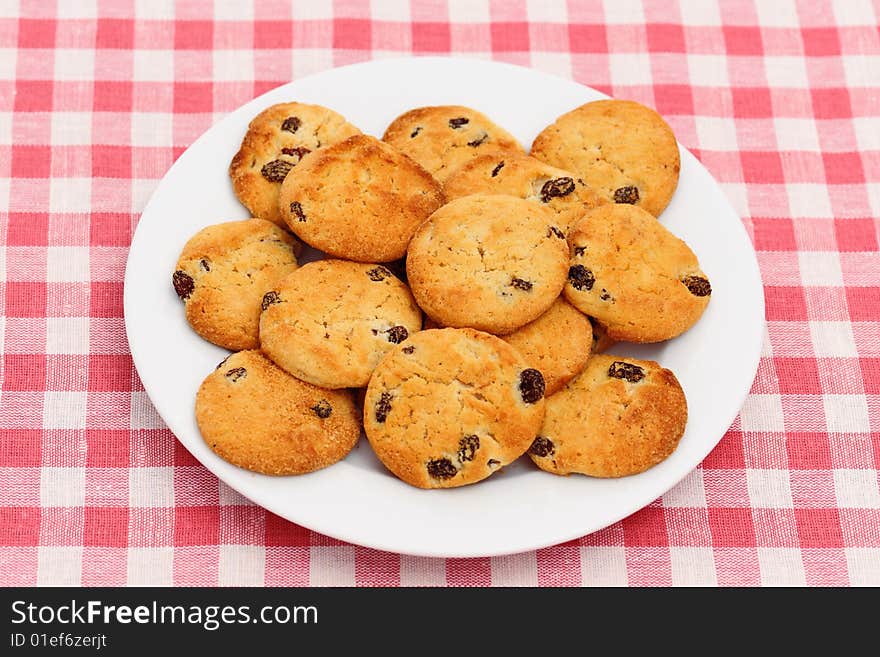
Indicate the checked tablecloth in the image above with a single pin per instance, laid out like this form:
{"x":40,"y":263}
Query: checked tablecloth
{"x":779,"y":99}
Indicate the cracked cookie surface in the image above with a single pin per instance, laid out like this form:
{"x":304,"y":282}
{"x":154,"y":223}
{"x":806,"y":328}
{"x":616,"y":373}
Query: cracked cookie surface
{"x":525,"y":177}
{"x":360,"y":200}
{"x":621,"y":148}
{"x":331,"y":321}
{"x":641,"y":282}
{"x":488,"y":262}
{"x":222,"y":274}
{"x":258,"y":417}
{"x":619,"y":417}
{"x":441,"y":138}
{"x":277,"y":139}
{"x":450,"y":407}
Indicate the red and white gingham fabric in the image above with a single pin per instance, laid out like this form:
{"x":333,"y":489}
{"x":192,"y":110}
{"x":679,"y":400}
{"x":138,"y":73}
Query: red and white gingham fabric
{"x":780,"y":100}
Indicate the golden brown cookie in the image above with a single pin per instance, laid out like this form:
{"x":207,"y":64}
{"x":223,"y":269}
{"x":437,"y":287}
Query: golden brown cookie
{"x":359,"y":200}
{"x":620,"y":417}
{"x":620,"y":148}
{"x":444,"y":137}
{"x":258,"y":417}
{"x":332,"y":321}
{"x":277,"y":139}
{"x":558,"y":343}
{"x":639,"y":280}
{"x":525,"y":177}
{"x":451,"y":407}
{"x":488,"y":262}
{"x":223,"y":273}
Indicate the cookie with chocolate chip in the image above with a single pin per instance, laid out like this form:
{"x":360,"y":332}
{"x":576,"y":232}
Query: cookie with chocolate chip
{"x":451,"y":407}
{"x":619,"y":417}
{"x":641,"y":282}
{"x":360,"y":200}
{"x":331,"y":321}
{"x":258,"y":417}
{"x":444,"y":137}
{"x":620,"y":148}
{"x":516,"y":174}
{"x":277,"y":139}
{"x":222,"y":274}
{"x":488,"y":262}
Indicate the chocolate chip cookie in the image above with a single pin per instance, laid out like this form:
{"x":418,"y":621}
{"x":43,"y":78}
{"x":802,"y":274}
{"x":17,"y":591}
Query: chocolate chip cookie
{"x":223,"y":273}
{"x":359,"y":200}
{"x":331,"y":321}
{"x":488,"y":262}
{"x":641,"y":282}
{"x":258,"y":417}
{"x":277,"y":139}
{"x":451,"y":407}
{"x":620,"y":148}
{"x":620,"y":417}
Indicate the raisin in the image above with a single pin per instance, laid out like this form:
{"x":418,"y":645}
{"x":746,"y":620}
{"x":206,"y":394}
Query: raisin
{"x":383,"y":407}
{"x":580,"y":250}
{"x":497,"y":168}
{"x":697,"y":285}
{"x":397,"y":334}
{"x":581,"y":278}
{"x":542,"y":447}
{"x":323,"y":409}
{"x":606,"y":295}
{"x":493,"y":463}
{"x":531,"y":385}
{"x":296,"y":209}
{"x":467,"y":447}
{"x":455,"y":124}
{"x":276,"y":170}
{"x":627,"y":371}
{"x":441,"y":469}
{"x":555,"y":231}
{"x":222,"y":362}
{"x":299,"y":151}
{"x":378,"y":274}
{"x":291,"y":124}
{"x":520,"y":284}
{"x":409,"y":349}
{"x":479,"y":140}
{"x":628,"y":194}
{"x":236,"y":373}
{"x":415,"y":132}
{"x":183,"y":284}
{"x":557,"y":187}
{"x":205,"y":264}
{"x":269,"y":298}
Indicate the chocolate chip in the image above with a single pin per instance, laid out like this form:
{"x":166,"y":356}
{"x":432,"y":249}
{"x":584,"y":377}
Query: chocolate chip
{"x":628,"y":194}
{"x":581,"y":278}
{"x":323,"y":409}
{"x":479,"y":140}
{"x":627,"y":371}
{"x":493,"y":463}
{"x":409,"y":349}
{"x":276,"y":170}
{"x":269,"y":298}
{"x":555,"y":231}
{"x":697,"y":285}
{"x":205,"y":264}
{"x":441,"y":469}
{"x":455,"y":124}
{"x":291,"y":124}
{"x":467,"y":447}
{"x":183,"y":284}
{"x":557,"y":187}
{"x":397,"y":334}
{"x":531,"y":385}
{"x":296,"y":209}
{"x":299,"y":151}
{"x":415,"y":132}
{"x":580,"y":250}
{"x":497,"y":168}
{"x":236,"y":373}
{"x":383,"y":406}
{"x":378,"y":274}
{"x":520,"y":284}
{"x":542,"y":447}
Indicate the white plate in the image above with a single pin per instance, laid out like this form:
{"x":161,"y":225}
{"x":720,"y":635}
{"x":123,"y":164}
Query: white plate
{"x":356,"y":500}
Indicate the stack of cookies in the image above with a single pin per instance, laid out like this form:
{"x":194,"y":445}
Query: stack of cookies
{"x":465,"y":297}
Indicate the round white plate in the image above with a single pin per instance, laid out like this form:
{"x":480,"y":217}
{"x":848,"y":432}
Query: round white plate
{"x":357,"y":500}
